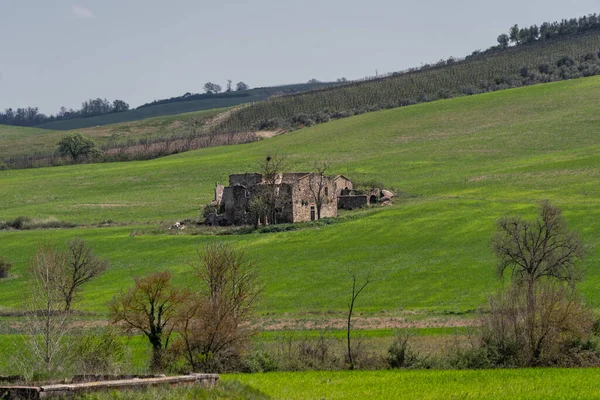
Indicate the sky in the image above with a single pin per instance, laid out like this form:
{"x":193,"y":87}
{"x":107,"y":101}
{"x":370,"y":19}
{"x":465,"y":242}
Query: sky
{"x":61,"y":52}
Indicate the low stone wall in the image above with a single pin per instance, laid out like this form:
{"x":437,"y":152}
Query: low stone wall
{"x":70,"y":390}
{"x":351,"y":202}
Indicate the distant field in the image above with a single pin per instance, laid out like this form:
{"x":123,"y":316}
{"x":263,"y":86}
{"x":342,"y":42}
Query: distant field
{"x":224,"y":100}
{"x":458,"y":166}
{"x":18,"y":141}
{"x":374,"y":385}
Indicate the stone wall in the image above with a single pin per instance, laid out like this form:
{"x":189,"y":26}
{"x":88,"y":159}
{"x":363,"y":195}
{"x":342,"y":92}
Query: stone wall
{"x":340,"y":183}
{"x":352,"y":202}
{"x":74,"y":389}
{"x":247,"y":180}
{"x":304,"y":200}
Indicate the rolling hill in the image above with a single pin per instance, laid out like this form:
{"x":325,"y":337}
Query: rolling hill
{"x":17,"y":141}
{"x":527,"y":64}
{"x":196,"y":103}
{"x":458,"y":166}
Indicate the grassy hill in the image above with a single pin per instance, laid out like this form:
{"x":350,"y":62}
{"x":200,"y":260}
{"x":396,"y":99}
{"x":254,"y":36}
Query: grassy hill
{"x":15,"y":141}
{"x":460,"y":164}
{"x":207,"y":102}
{"x":546,"y":61}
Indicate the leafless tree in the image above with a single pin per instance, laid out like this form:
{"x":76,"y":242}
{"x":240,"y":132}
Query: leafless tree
{"x":150,"y":307}
{"x":356,"y":291}
{"x":534,"y":252}
{"x":81,"y":266}
{"x":317,"y":182}
{"x":46,"y":324}
{"x":216,"y":321}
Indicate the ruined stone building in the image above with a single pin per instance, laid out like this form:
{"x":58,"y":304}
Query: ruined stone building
{"x":297,"y":195}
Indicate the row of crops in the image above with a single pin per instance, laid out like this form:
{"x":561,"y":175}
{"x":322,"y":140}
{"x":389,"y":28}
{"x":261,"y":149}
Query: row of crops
{"x":558,"y":59}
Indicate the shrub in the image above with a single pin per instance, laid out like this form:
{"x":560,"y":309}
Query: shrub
{"x":566,"y":61}
{"x":3,"y":166}
{"x":544,"y":68}
{"x":515,"y":336}
{"x":99,"y":354}
{"x":302,"y":120}
{"x":261,"y":361}
{"x":400,"y":355}
{"x":5,"y":267}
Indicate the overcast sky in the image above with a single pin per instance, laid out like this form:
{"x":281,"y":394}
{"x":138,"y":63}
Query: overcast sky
{"x":61,"y":52}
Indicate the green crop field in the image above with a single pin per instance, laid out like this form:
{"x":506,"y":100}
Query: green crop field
{"x":15,"y":140}
{"x":373,"y":385}
{"x":457,"y":164}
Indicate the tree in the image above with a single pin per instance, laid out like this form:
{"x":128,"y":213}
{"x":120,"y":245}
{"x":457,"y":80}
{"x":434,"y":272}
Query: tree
{"x":212,"y":88}
{"x":537,"y":253}
{"x":217,"y":319}
{"x":77,"y":146}
{"x":119,"y":106}
{"x":241,"y":86}
{"x":533,"y":251}
{"x":356,"y":291}
{"x":81,"y":266}
{"x":503,"y":40}
{"x":317,"y":184}
{"x":342,"y":80}
{"x":150,"y":307}
{"x":47,"y":325}
{"x":229,"y":85}
{"x":313,"y":80}
{"x":514,"y":34}
{"x":267,"y":197}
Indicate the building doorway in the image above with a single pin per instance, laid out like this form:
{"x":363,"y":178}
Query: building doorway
{"x":313,"y":213}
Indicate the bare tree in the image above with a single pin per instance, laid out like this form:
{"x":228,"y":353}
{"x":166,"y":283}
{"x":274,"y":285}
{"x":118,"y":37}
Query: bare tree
{"x":81,"y":266}
{"x":356,"y":291}
{"x":536,"y":250}
{"x":216,"y":321}
{"x":542,"y":250}
{"x":46,"y":324}
{"x":317,"y":183}
{"x":150,"y":307}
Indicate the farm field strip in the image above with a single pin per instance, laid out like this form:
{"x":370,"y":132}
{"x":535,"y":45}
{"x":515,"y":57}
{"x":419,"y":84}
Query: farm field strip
{"x":402,"y":384}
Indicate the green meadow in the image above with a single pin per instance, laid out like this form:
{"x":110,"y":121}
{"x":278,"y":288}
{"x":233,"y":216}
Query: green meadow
{"x":374,"y":385}
{"x":457,"y":165}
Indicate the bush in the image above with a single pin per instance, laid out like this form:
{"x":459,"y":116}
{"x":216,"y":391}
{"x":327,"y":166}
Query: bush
{"x":565,"y":61}
{"x":302,"y":120}
{"x":3,"y":166}
{"x":261,"y":361}
{"x":514,"y":336}
{"x":400,"y":355}
{"x":5,"y":267}
{"x":99,"y":354}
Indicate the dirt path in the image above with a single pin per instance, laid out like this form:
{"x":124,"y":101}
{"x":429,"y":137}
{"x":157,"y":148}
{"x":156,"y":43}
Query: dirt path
{"x":363,"y":323}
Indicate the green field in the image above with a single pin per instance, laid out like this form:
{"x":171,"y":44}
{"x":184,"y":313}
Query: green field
{"x":459,"y":164}
{"x":15,"y":140}
{"x":374,"y":385}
